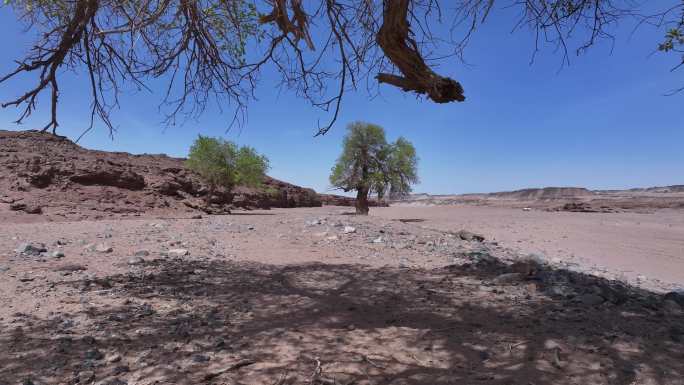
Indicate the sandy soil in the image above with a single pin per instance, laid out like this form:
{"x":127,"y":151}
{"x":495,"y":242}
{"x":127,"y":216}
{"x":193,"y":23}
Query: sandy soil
{"x":640,"y":246}
{"x":313,"y":296}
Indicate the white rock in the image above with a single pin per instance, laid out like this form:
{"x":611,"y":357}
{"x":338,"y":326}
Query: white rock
{"x":349,"y":229}
{"x":178,"y":252}
{"x":136,"y":260}
{"x":103,"y":248}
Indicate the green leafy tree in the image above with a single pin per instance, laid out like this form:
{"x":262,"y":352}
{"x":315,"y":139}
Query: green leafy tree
{"x":222,"y":164}
{"x":369,"y":164}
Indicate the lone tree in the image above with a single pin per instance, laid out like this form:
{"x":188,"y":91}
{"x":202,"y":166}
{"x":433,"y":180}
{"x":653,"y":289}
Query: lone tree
{"x":368,"y":163}
{"x":214,"y":50}
{"x":224,"y":165}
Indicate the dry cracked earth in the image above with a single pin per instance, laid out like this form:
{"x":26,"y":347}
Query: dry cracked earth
{"x":314,"y":296}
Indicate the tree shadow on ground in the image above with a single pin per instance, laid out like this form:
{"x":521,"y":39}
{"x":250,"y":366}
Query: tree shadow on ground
{"x":181,"y":322}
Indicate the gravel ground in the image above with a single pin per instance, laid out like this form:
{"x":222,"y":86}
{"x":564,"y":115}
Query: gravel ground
{"x":315,"y":296}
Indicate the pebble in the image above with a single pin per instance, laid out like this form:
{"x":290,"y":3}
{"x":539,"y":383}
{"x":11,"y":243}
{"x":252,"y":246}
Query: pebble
{"x":86,"y":377}
{"x":31,"y":249}
{"x":114,"y":358}
{"x":200,"y":358}
{"x":93,"y":354}
{"x":178,"y":252}
{"x":103,"y":248}
{"x":135,"y":260}
{"x":26,"y":278}
{"x":58,"y":254}
{"x":507,"y":278}
{"x":349,"y":229}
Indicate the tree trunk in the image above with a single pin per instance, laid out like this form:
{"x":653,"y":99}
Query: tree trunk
{"x":362,"y":201}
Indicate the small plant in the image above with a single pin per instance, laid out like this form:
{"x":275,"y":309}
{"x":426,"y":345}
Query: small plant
{"x":222,"y":164}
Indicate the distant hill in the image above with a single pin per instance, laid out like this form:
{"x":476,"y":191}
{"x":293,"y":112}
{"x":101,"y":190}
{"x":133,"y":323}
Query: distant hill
{"x":564,"y":199}
{"x":545,"y":193}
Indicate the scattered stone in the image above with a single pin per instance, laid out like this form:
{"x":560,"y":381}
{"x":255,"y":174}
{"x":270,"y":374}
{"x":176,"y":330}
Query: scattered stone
{"x":58,"y":254}
{"x":103,"y":248}
{"x":332,"y":238}
{"x":142,"y":253}
{"x":93,"y":354}
{"x":120,"y":369}
{"x":313,"y":222}
{"x":250,"y":227}
{"x":591,"y":299}
{"x":114,"y":358}
{"x":676,"y":296}
{"x":468,"y":236}
{"x":482,"y":257}
{"x":178,"y":252}
{"x":86,"y":377}
{"x":4,"y":269}
{"x":529,"y":266}
{"x":198,"y":216}
{"x":32,"y":209}
{"x":199,"y":358}
{"x":507,"y":278}
{"x":136,"y":260}
{"x":33,"y":249}
{"x":26,"y":278}
{"x":561,"y":290}
{"x":17,"y":206}
{"x":71,"y":268}
{"x":377,"y":240}
{"x":349,"y":229}
{"x":114,"y":381}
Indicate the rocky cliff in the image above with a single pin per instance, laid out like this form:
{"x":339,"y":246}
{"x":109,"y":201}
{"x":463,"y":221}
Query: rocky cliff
{"x":43,"y":173}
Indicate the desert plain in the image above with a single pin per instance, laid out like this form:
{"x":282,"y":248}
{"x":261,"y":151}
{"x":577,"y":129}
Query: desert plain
{"x":111,"y":275}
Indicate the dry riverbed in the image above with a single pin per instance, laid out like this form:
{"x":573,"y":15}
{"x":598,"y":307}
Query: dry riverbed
{"x":314,"y":296}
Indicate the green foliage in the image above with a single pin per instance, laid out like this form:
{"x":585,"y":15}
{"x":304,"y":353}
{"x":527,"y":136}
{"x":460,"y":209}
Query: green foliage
{"x":402,"y":168}
{"x":223,"y":164}
{"x":369,"y":162}
{"x":674,"y":38}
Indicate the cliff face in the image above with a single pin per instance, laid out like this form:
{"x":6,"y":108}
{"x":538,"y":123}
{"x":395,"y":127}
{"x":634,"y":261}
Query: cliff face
{"x":44,"y":173}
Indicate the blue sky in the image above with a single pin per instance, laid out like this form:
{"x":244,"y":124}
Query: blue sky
{"x":603,"y":122}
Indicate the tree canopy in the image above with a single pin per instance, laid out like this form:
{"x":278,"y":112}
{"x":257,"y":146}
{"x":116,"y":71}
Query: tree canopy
{"x":223,"y":164}
{"x":208,"y":50}
{"x":369,"y":164}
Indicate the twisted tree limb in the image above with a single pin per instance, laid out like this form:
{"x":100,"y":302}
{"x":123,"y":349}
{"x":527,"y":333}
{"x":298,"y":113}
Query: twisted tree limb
{"x":393,"y":37}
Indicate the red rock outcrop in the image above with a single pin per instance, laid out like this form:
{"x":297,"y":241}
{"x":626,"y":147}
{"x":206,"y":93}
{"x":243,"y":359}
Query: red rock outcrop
{"x":43,"y":173}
